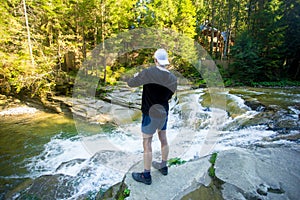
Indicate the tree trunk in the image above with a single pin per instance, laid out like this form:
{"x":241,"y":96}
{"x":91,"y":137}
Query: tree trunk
{"x":28,"y":34}
{"x":95,"y":31}
{"x":212,"y":28}
{"x":218,"y":45}
{"x":228,"y":32}
{"x":103,"y":38}
{"x":249,"y":14}
{"x":237,"y":18}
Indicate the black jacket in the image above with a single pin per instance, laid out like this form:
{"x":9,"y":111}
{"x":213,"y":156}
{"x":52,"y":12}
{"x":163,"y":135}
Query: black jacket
{"x":158,"y":87}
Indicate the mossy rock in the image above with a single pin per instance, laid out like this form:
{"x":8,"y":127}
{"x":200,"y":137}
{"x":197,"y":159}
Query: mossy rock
{"x":118,"y":191}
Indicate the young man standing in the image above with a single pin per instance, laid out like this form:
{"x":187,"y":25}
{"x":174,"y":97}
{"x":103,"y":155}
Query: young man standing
{"x":159,"y":85}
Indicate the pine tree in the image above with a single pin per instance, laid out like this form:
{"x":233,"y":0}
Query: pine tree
{"x":291,"y":20}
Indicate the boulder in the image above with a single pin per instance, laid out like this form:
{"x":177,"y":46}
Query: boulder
{"x":271,"y":173}
{"x":181,"y":180}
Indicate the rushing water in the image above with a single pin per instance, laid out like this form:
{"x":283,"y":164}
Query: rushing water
{"x":37,"y":144}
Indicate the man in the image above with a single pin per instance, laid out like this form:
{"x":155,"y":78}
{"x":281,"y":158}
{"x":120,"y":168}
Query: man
{"x":159,"y":85}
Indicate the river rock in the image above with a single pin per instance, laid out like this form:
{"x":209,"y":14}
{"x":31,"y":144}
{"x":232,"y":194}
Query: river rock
{"x":45,"y":187}
{"x":181,"y":180}
{"x":255,"y":105}
{"x":100,"y":111}
{"x":69,"y":164}
{"x":261,"y":174}
{"x":120,"y":106}
{"x":271,"y":173}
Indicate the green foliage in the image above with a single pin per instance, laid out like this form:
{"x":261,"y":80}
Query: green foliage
{"x":126,"y":192}
{"x":260,"y":51}
{"x":185,"y":20}
{"x":212,"y":160}
{"x":123,"y":192}
{"x":175,"y":161}
{"x":172,"y":14}
{"x":211,"y":171}
{"x":113,"y":75}
{"x":291,"y":44}
{"x":265,"y":39}
{"x":247,"y":63}
{"x":281,"y":83}
{"x":185,"y":68}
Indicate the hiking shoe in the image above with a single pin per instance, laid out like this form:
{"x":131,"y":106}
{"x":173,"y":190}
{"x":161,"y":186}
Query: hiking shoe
{"x":139,"y":177}
{"x":163,"y":170}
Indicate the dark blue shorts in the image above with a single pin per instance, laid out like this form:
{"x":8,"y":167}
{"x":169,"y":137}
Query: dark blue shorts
{"x":151,"y":124}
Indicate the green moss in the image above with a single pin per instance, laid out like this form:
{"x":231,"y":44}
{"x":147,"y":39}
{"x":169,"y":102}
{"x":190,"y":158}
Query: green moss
{"x":28,"y":197}
{"x":211,"y":192}
{"x":118,"y":191}
{"x":123,"y":192}
{"x":175,"y":161}
{"x":126,"y":193}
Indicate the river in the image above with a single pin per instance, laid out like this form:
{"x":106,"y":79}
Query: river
{"x":36,"y":145}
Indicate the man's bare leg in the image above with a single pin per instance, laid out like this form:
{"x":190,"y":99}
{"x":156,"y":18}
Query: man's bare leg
{"x":162,"y":135}
{"x":147,"y":144}
{"x":145,"y":177}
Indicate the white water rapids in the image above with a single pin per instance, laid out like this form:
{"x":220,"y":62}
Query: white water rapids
{"x":188,"y":127}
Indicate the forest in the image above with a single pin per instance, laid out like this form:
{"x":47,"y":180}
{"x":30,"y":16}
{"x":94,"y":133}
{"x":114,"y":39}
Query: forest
{"x":44,"y":42}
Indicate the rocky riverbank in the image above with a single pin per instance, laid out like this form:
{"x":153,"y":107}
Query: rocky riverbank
{"x":10,"y":105}
{"x":121,"y":105}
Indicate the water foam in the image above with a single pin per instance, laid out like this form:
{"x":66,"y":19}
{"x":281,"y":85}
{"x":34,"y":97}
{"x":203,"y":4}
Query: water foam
{"x":59,"y":150}
{"x":18,"y":111}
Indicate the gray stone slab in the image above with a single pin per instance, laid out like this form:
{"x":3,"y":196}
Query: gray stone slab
{"x":272,"y":173}
{"x":172,"y":186}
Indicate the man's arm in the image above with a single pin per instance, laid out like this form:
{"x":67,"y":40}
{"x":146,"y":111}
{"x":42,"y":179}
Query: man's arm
{"x":137,"y":80}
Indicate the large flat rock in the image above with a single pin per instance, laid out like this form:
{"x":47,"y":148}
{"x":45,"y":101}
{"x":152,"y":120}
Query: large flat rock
{"x":271,"y":173}
{"x":180,"y":181}
{"x":260,"y":174}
